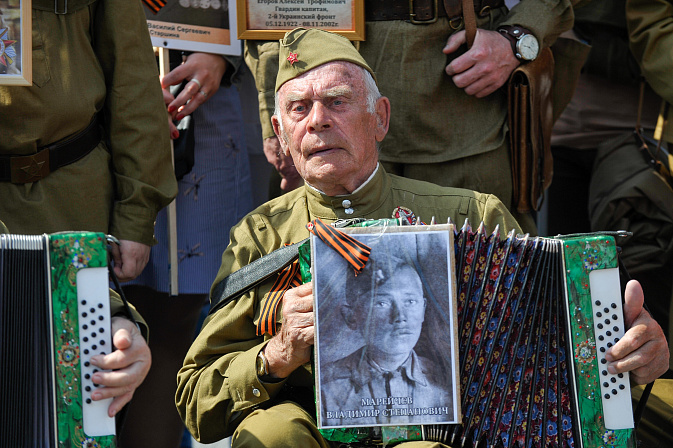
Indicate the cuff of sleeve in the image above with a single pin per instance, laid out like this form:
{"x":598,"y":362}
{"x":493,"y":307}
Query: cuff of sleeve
{"x":265,"y":113}
{"x":233,"y":70}
{"x":133,"y":223}
{"x":117,"y":309}
{"x":247,"y":389}
{"x":545,"y":22}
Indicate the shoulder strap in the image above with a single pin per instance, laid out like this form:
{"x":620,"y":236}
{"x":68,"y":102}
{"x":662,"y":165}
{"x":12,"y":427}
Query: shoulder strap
{"x":239,"y":282}
{"x":60,"y":6}
{"x":470,"y":20}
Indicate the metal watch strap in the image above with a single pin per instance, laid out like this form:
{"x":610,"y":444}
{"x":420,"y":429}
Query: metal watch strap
{"x":264,"y":370}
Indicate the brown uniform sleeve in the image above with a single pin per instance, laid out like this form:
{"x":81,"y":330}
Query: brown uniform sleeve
{"x":218,"y":384}
{"x":117,"y":309}
{"x":262,"y":58}
{"x":545,"y":19}
{"x":135,"y":118}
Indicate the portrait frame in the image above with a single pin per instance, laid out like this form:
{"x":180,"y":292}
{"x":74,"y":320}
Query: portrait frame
{"x":16,"y":58}
{"x":341,"y":346}
{"x":188,"y":28}
{"x":275,"y":23}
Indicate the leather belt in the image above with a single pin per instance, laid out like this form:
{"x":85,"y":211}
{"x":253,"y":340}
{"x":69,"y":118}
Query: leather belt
{"x":31,"y":168}
{"x":422,"y":11}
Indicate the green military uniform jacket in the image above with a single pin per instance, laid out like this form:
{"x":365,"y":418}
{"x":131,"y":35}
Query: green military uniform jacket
{"x":96,"y":59}
{"x":432,"y":120}
{"x":650,"y":24}
{"x":218,"y":385}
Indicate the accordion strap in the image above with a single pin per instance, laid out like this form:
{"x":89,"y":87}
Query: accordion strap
{"x":642,"y":402}
{"x":127,"y":309}
{"x":251,"y":275}
{"x":470,"y":21}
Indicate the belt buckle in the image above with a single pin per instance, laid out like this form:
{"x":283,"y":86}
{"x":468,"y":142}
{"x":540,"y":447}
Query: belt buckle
{"x":423,"y":22}
{"x":60,"y":6}
{"x":25,"y":169}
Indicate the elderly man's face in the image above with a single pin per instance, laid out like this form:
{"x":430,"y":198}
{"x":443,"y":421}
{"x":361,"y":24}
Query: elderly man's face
{"x":397,"y":315}
{"x":327,"y":129}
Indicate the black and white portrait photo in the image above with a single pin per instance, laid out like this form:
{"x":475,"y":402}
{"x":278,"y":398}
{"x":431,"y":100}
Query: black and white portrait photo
{"x":385,"y":338}
{"x":194,"y":25}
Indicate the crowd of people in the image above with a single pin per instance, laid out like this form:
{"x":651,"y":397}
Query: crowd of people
{"x":411,"y":122}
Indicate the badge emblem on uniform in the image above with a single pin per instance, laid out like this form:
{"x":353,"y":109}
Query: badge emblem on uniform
{"x":403,"y":212}
{"x":292,"y":58}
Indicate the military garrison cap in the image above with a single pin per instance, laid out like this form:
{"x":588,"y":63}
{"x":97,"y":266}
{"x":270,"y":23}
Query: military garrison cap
{"x":304,"y":49}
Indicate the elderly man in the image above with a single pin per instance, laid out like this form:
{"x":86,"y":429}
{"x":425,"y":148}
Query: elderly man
{"x":330,"y":119}
{"x":438,"y":88}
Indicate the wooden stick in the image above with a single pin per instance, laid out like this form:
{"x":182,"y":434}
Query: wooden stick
{"x":164,"y":68}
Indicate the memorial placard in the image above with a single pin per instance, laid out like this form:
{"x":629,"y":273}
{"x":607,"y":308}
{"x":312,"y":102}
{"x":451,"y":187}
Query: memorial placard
{"x":15,"y":44}
{"x":193,"y":25}
{"x":386,"y":345}
{"x":271,"y":19}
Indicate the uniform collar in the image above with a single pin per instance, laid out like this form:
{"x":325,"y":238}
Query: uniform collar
{"x":363,"y":202}
{"x":367,"y":370}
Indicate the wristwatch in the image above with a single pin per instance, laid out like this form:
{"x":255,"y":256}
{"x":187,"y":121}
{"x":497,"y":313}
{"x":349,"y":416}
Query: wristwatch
{"x":262,"y":364}
{"x":524,"y":44}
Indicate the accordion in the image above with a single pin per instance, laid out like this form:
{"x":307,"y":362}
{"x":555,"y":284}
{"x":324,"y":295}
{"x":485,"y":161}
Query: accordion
{"x":535,"y":319}
{"x":54,"y":316}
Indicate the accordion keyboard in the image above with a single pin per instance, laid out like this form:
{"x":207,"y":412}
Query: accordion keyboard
{"x":609,"y":327}
{"x":93,"y":306}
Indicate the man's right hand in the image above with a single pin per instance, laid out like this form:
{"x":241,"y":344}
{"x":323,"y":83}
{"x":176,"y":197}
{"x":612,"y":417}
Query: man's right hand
{"x":292,"y":347}
{"x":485,"y":67}
{"x":283,"y":164}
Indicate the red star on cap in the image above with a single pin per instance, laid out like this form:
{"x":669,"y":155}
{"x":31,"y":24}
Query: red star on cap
{"x":292,"y":58}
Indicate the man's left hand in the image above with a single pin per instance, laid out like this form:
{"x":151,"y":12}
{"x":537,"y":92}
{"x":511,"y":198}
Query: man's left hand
{"x":643,"y":350}
{"x":205,"y":68}
{"x":485,"y":67}
{"x":130,"y":259}
{"x":283,"y":164}
{"x":129,"y":364}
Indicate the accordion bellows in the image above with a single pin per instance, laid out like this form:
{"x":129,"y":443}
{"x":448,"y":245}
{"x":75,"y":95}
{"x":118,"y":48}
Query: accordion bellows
{"x":531,"y":358}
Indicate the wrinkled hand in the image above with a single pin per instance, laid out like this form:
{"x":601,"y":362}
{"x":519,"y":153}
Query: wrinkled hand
{"x":208,"y":69}
{"x":129,"y":363}
{"x":643,"y":350}
{"x":292,"y":347}
{"x":485,"y":67}
{"x":283,"y":164}
{"x":130,"y":259}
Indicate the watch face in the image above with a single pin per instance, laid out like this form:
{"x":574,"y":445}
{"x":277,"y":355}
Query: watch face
{"x":528,"y":47}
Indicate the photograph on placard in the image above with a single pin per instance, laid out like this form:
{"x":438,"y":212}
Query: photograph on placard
{"x":385,"y":338}
{"x":207,"y":26}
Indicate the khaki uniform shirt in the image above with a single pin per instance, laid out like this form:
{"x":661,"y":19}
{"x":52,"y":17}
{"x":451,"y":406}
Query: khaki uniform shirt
{"x":432,"y":120}
{"x":218,"y":385}
{"x":650,"y":24}
{"x":96,"y":59}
